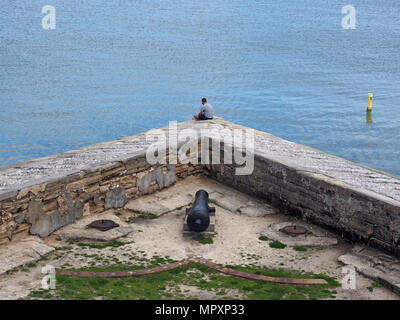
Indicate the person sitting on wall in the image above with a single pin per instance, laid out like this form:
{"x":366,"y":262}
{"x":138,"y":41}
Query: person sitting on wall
{"x":206,"y":111}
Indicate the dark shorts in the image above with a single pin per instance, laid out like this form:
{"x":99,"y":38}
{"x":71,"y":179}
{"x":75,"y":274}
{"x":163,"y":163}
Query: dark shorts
{"x":202,"y":117}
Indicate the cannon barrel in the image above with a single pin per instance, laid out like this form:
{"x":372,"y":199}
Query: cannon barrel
{"x":198,"y":218}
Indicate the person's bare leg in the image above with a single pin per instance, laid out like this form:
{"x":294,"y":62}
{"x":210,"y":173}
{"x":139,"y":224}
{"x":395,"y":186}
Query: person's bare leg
{"x":196,"y":116}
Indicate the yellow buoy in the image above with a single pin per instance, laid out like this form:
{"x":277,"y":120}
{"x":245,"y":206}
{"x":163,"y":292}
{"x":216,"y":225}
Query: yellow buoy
{"x":369,"y":107}
{"x":369,"y":117}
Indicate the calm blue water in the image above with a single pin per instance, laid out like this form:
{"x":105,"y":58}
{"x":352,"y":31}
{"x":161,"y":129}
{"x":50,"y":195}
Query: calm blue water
{"x":117,"y":68}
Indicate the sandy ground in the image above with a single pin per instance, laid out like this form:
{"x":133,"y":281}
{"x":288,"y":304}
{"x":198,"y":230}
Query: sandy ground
{"x":235,"y":242}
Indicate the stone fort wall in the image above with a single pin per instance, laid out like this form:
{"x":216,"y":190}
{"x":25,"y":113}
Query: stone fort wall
{"x":42,"y":195}
{"x":44,"y":208}
{"x":358,"y":214}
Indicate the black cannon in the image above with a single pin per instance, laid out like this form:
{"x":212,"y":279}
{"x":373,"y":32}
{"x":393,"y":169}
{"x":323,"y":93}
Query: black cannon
{"x":198,"y":218}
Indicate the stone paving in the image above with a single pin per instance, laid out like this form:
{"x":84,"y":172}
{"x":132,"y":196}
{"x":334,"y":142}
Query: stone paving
{"x":80,"y":230}
{"x":375,"y":265}
{"x":181,"y":195}
{"x":317,"y":237}
{"x":21,"y":253}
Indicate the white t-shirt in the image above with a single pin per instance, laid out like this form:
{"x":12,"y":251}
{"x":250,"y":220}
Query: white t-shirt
{"x":208,"y":110}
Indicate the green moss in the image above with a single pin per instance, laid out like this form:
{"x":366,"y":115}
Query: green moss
{"x":166,"y":285}
{"x":147,"y":216}
{"x":299,"y":248}
{"x":277,"y":245}
{"x":263,"y":238}
{"x":205,"y":240}
{"x":181,"y":207}
{"x":62,"y":248}
{"x":111,"y":244}
{"x":119,"y":266}
{"x":375,"y":284}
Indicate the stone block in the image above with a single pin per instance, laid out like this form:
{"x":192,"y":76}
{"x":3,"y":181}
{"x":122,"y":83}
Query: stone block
{"x":316,"y":237}
{"x":115,"y":198}
{"x":43,"y":224}
{"x":79,"y":230}
{"x":19,"y":253}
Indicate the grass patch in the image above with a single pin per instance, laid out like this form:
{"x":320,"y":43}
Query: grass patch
{"x":167,"y":285}
{"x":31,"y":265}
{"x":375,"y":284}
{"x":147,"y":216}
{"x":277,"y":245}
{"x":205,"y":240}
{"x":63,"y":248}
{"x":143,"y":263}
{"x":263,"y":238}
{"x":111,"y":244}
{"x":299,"y":248}
{"x":181,"y":207}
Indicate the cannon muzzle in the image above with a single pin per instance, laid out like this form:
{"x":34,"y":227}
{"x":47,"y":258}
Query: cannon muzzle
{"x":198,"y":218}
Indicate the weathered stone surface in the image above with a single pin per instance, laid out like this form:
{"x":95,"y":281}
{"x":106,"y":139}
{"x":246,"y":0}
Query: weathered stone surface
{"x":34,"y":190}
{"x":158,"y":177}
{"x":144,"y":180}
{"x":318,"y":238}
{"x":11,"y":226}
{"x":19,"y":253}
{"x":142,"y":206}
{"x":297,"y":189}
{"x":79,"y":230}
{"x":43,"y":224}
{"x":239,"y":203}
{"x":176,"y":197}
{"x":7,"y":195}
{"x":169,"y":177}
{"x":41,"y":248}
{"x":21,"y":218}
{"x":35,"y":210}
{"x":159,"y":204}
{"x":375,"y":265}
{"x":115,"y":198}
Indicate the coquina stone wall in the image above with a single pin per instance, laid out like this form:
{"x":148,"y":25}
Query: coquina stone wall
{"x":44,"y":208}
{"x":45,"y":194}
{"x":357,"y":213}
